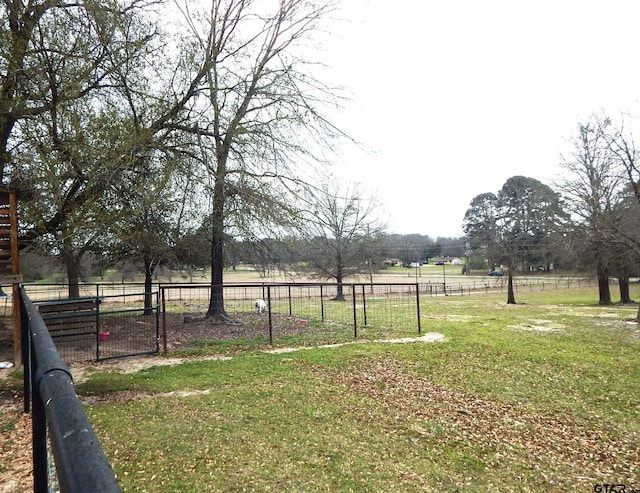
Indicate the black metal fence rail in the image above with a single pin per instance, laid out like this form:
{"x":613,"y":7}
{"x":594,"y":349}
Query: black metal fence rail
{"x":57,"y":416}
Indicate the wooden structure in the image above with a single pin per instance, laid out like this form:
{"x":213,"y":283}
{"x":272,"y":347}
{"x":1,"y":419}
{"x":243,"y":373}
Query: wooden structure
{"x":71,"y":320}
{"x":9,"y":264}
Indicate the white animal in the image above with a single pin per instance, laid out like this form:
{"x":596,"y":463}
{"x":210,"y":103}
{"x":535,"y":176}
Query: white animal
{"x":261,"y":306}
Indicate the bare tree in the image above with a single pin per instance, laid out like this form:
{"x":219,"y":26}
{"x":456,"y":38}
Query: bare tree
{"x":342,"y":232}
{"x":621,"y":144}
{"x":260,"y":119}
{"x":237,"y":94}
{"x":591,"y":190}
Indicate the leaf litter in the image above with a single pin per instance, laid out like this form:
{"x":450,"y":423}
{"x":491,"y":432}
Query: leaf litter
{"x":556,"y":449}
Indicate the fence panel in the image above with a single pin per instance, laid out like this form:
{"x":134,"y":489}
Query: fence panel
{"x":302,"y":309}
{"x":105,"y":327}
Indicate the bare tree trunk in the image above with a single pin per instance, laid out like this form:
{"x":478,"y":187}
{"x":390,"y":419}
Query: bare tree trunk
{"x":72,"y":265}
{"x":604,"y":291}
{"x":511,"y":297}
{"x":6,"y":127}
{"x":73,"y":275}
{"x":216,"y":302}
{"x":149,"y":268}
{"x":339,"y":280}
{"x":625,"y":294}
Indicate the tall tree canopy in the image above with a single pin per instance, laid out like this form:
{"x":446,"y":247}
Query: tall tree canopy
{"x":55,"y":53}
{"x":105,"y":106}
{"x":517,"y":224}
{"x":479,"y":224}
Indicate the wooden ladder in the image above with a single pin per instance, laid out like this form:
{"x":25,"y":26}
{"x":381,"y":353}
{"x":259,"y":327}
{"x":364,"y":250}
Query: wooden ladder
{"x":9,"y":262}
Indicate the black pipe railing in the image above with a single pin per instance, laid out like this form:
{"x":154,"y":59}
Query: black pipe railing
{"x":57,"y":416}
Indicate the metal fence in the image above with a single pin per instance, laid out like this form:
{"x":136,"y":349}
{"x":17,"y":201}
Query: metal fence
{"x":473,"y":286}
{"x":119,"y":326}
{"x":458,"y":285}
{"x":59,"y":423}
{"x":42,"y":292}
{"x":291,"y":309}
{"x":101,"y":327}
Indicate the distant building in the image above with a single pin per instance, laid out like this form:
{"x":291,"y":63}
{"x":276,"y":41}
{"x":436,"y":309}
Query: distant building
{"x":445,"y":260}
{"x":392,"y":262}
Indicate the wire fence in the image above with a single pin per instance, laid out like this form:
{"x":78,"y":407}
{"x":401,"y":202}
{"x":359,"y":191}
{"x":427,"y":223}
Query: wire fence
{"x":456,"y":285}
{"x":110,"y":319}
{"x":44,"y":292}
{"x":470,"y":287}
{"x":310,"y":309}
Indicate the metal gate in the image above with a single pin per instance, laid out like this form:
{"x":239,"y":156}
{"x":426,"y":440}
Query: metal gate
{"x":105,"y":327}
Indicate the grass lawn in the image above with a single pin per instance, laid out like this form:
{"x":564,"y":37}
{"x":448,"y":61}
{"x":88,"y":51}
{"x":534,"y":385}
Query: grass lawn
{"x":540,"y":396}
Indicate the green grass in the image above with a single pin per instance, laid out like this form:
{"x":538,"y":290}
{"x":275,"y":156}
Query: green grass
{"x":540,"y":396}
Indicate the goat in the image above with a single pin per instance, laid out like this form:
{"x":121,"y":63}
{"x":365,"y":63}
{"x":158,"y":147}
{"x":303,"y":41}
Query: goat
{"x":261,"y":306}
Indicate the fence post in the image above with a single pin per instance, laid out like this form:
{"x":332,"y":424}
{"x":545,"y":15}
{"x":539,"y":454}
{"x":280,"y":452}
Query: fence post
{"x":321,"y":304}
{"x":158,"y":319}
{"x":39,"y":444}
{"x":163,"y":298}
{"x":355,"y":315}
{"x":269,"y":308}
{"x":98,"y":328}
{"x":26,"y":354}
{"x":364,"y":306}
{"x":418,"y":307}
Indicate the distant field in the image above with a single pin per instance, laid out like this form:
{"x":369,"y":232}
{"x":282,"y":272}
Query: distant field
{"x":539,"y":396}
{"x":425,"y":275}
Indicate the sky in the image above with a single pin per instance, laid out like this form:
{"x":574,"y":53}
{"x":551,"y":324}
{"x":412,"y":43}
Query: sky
{"x":452,"y":98}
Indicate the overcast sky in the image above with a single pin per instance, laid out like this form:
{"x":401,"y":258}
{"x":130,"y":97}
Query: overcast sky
{"x":458,"y":96}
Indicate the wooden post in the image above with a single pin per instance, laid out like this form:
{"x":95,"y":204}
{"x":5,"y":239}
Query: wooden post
{"x":9,"y":261}
{"x":15,"y":271}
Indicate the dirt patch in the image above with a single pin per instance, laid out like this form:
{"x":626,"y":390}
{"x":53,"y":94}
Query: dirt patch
{"x":538,"y":325}
{"x":82,"y":370}
{"x":251,"y":326}
{"x":429,"y":337}
{"x":6,"y":341}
